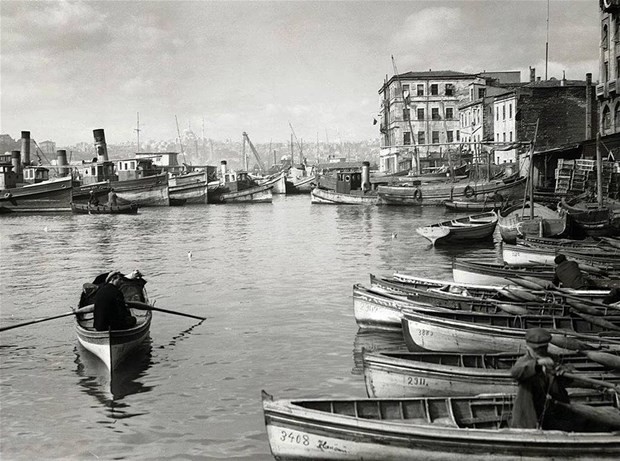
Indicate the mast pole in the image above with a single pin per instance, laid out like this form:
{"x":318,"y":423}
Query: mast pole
{"x":547,"y":43}
{"x":137,"y":130}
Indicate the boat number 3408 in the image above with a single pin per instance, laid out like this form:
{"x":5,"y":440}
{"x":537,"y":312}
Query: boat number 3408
{"x":304,"y":439}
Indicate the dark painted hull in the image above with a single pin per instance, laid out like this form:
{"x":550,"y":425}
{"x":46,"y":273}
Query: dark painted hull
{"x":84,"y":208}
{"x":48,"y":196}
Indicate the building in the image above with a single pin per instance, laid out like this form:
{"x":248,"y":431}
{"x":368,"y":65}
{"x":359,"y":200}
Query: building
{"x":609,"y":62}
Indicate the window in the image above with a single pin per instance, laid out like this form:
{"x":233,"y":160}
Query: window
{"x":405,"y":114}
{"x":421,"y":137}
{"x":496,"y":115}
{"x":510,"y":134}
{"x":449,"y":89}
{"x":504,"y":136}
{"x":458,"y":135}
{"x":482,"y":92}
{"x":420,"y":90}
{"x":617,"y":115}
{"x":435,"y":113}
{"x":617,"y":66}
{"x":504,"y":112}
{"x":605,"y":37}
{"x":406,"y":138}
{"x":605,"y":71}
{"x":405,"y":90}
{"x":420,"y":114}
{"x":449,"y":113}
{"x":434,"y":89}
{"x":496,"y":137}
{"x":509,"y":110}
{"x":449,"y":135}
{"x":435,"y":137}
{"x":606,"y":118}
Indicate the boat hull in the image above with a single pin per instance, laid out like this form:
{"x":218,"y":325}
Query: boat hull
{"x":418,"y":429}
{"x":114,"y":346}
{"x":84,"y":208}
{"x":376,"y":312}
{"x":48,"y":196}
{"x":147,"y":191}
{"x":188,"y":189}
{"x":257,"y":194}
{"x":302,"y":185}
{"x":330,"y":197}
{"x":475,"y":227}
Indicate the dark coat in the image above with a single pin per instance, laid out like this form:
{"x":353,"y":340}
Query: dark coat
{"x":569,"y":275}
{"x":534,"y":385}
{"x":111,"y":312}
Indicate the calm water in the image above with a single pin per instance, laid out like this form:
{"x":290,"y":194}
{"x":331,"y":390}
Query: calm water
{"x":274,"y":281}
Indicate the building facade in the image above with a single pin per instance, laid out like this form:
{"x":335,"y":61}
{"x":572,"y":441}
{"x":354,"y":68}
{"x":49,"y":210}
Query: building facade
{"x":607,"y":91}
{"x":419,"y":117}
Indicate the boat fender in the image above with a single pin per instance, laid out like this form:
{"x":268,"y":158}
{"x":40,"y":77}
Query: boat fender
{"x":417,"y":194}
{"x":8,"y":195}
{"x":469,"y":192}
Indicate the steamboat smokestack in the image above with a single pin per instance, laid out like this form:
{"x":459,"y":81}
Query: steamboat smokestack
{"x":589,"y":100}
{"x":365,"y":176}
{"x":223,"y":168}
{"x":15,"y":161}
{"x":25,"y":152}
{"x":61,"y":161}
{"x":100,"y":145}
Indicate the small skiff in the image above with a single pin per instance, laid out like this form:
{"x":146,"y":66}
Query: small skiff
{"x":474,"y":227}
{"x":85,"y":208}
{"x":434,"y":428}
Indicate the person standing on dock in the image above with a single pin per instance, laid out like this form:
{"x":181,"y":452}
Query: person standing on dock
{"x":540,"y":385}
{"x":111,"y":312}
{"x":568,"y":274}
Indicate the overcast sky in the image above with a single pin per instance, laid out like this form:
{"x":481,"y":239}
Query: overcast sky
{"x":70,"y":67}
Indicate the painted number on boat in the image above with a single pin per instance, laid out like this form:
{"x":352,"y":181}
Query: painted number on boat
{"x":293,"y":437}
{"x":425,"y":332}
{"x":416,"y":381}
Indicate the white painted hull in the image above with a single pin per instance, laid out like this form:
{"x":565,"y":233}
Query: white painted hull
{"x":474,"y":278}
{"x":377,"y":313}
{"x":515,"y":256}
{"x":329,"y":197}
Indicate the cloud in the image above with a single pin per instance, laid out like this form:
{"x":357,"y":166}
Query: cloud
{"x":428,"y":26}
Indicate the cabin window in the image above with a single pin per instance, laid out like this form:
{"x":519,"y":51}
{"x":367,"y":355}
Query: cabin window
{"x":449,"y":112}
{"x":435,"y":113}
{"x":420,"y":114}
{"x":435,"y":137}
{"x":420,"y":90}
{"x":421,"y":137}
{"x":449,"y":89}
{"x":434,"y":89}
{"x":406,"y":138}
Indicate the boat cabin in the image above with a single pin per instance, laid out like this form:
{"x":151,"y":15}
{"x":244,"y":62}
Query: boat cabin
{"x":347,"y":181}
{"x":8,"y":177}
{"x":36,"y":174}
{"x":164,"y":161}
{"x":136,"y":168}
{"x":97,"y":172}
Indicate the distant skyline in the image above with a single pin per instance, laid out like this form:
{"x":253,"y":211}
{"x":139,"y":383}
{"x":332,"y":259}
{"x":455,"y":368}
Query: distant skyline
{"x":67,"y":68}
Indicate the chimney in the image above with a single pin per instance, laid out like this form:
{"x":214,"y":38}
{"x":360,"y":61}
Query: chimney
{"x":532,"y":74}
{"x":538,"y":79}
{"x":365,"y":176}
{"x":223,"y":169}
{"x":100,"y":145}
{"x":589,"y":100}
{"x":15,"y":161}
{"x":25,"y":152}
{"x":61,"y":162}
{"x":563,"y":81}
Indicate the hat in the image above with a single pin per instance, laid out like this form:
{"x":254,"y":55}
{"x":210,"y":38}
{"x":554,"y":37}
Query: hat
{"x":111,"y":275}
{"x":537,"y":337}
{"x":559,"y":258}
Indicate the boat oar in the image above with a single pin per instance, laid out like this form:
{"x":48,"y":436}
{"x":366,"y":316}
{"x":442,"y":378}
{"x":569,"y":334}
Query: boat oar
{"x":605,"y":415}
{"x":592,"y":381}
{"x":148,"y":307}
{"x":598,"y":321}
{"x":581,"y":300}
{"x":82,"y":310}
{"x":604,"y":358}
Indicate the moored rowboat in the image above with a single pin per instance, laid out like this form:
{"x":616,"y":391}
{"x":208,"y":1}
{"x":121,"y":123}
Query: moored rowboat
{"x":85,"y":208}
{"x":433,"y":428}
{"x":474,"y":227}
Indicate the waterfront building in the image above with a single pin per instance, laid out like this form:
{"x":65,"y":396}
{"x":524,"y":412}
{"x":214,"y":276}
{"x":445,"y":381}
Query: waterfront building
{"x":607,"y":90}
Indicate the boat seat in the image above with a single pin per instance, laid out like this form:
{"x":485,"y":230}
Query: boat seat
{"x":459,"y":224}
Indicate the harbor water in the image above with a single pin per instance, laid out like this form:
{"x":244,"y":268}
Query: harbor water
{"x":275,"y":283}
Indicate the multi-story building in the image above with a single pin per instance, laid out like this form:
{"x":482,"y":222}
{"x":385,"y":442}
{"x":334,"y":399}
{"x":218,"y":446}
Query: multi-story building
{"x":608,"y":89}
{"x":419,"y":117}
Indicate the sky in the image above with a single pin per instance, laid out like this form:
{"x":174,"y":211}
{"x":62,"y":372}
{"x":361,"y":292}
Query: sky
{"x":225,"y":67}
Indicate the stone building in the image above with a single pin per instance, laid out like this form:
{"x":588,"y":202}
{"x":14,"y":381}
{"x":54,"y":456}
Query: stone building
{"x":607,"y":91}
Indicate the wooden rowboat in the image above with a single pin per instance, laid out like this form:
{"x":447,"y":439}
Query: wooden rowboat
{"x":474,"y":227}
{"x":433,"y":428}
{"x":475,"y":332}
{"x":85,"y":208}
{"x":516,"y":222}
{"x":331,"y":197}
{"x":114,"y":346}
{"x":426,"y":374}
{"x":493,"y":273}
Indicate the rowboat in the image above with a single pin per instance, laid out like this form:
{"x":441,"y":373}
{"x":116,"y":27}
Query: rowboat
{"x":85,"y":208}
{"x":458,"y":331}
{"x":587,"y":257}
{"x":592,"y":219}
{"x":465,"y":205}
{"x":493,"y":273}
{"x":438,"y":194}
{"x":331,"y":197}
{"x":474,"y":227}
{"x":517,"y":221}
{"x":426,"y":374}
{"x":434,"y":428}
{"x":114,"y":346}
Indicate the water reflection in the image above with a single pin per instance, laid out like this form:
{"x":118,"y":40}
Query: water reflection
{"x":375,"y":341}
{"x":111,"y":388}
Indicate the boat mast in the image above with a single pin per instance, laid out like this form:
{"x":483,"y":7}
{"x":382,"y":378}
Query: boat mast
{"x":245,"y":157}
{"x":599,"y":171}
{"x":137,"y":130}
{"x":531,"y":171}
{"x":547,"y":43}
{"x":406,"y":106}
{"x":180,"y":141}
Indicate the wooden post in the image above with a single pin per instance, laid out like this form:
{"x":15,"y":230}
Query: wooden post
{"x":599,"y":171}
